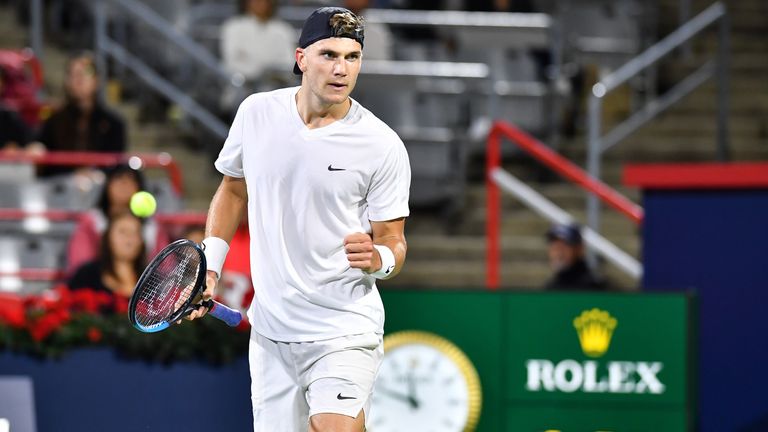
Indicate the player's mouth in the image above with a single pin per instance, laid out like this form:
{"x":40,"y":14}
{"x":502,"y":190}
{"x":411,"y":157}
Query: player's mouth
{"x":338,"y":86}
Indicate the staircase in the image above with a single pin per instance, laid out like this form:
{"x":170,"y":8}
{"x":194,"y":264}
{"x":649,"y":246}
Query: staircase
{"x":685,"y":133}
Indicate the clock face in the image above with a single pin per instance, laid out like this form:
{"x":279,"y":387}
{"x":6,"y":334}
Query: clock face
{"x":421,"y":387}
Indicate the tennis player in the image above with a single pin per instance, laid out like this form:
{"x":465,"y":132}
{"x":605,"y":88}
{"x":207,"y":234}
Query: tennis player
{"x":326,"y":185}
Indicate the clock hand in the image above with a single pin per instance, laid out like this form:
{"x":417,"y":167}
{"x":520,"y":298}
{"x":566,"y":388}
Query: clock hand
{"x":412,"y":390}
{"x":399,"y":396}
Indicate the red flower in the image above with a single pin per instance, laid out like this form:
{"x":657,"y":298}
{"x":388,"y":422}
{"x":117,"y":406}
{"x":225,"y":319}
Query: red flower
{"x":94,"y":334}
{"x":12,"y":311}
{"x":47,"y":324}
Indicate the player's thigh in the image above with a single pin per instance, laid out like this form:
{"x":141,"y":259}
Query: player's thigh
{"x":278,"y":401}
{"x":340,"y":381}
{"x":337,"y":423}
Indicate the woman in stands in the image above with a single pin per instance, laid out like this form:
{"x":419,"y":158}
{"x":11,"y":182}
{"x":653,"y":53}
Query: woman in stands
{"x":120,"y":262}
{"x":84,"y":123}
{"x":120,"y":184}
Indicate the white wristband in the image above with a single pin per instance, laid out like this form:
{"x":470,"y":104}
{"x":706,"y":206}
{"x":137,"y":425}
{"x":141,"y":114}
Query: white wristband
{"x":387,"y":262}
{"x":215,"y":253}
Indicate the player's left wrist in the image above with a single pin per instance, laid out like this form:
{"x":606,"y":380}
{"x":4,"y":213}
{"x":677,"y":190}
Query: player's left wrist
{"x":387,"y":263}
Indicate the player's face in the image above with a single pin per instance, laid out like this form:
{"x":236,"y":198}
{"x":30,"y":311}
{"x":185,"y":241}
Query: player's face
{"x":125,"y":238}
{"x":330,"y":68}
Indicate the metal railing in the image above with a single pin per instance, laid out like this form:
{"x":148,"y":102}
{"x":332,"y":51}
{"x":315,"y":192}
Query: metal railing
{"x":162,"y":161}
{"x":599,"y":143}
{"x":134,"y":10}
{"x":496,"y":177}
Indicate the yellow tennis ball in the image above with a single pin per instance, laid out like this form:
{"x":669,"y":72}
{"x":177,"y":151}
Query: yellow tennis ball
{"x":143,"y":204}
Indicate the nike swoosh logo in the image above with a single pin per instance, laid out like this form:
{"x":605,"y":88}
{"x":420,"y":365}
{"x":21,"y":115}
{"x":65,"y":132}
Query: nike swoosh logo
{"x":331,"y":168}
{"x":340,"y":397}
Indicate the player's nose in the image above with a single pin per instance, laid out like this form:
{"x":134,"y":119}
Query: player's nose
{"x":340,"y":68}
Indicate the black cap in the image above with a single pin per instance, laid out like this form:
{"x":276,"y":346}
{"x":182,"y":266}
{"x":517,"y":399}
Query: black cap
{"x":570,"y":234}
{"x":318,"y":27}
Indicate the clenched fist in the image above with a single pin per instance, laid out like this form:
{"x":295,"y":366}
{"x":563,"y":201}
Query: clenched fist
{"x":361,"y":253}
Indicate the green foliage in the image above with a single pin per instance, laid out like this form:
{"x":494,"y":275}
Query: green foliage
{"x":50,"y":326}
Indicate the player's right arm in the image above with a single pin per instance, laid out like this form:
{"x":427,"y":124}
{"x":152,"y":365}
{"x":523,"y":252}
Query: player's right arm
{"x":227,"y":206}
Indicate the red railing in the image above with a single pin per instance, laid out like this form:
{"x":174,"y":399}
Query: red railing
{"x":183,"y":218}
{"x":146,"y":160}
{"x":35,"y":274}
{"x":554,"y":161}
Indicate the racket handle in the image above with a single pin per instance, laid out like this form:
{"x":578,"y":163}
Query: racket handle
{"x":225,"y":313}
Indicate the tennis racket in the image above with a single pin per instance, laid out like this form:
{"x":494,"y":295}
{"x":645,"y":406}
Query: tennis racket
{"x":170,"y":288}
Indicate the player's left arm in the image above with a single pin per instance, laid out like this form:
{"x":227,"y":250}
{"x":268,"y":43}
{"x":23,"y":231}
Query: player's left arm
{"x":362,"y":253}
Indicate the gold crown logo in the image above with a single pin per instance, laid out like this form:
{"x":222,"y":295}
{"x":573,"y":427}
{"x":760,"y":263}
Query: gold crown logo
{"x":595,"y":328}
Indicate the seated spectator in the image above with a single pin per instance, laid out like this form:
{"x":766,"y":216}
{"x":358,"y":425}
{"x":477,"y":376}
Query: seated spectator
{"x":120,"y":184}
{"x":378,"y":38}
{"x":84,"y":123}
{"x":566,"y":258}
{"x":14,"y":133}
{"x":120,"y":262}
{"x":256,"y":40}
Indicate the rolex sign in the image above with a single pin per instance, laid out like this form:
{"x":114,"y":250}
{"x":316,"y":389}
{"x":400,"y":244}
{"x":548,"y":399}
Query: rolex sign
{"x":599,"y":362}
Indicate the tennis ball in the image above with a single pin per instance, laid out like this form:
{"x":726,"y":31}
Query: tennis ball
{"x":143,"y":204}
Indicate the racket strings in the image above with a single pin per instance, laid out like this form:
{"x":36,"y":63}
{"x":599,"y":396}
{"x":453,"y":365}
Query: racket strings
{"x":169,"y":287}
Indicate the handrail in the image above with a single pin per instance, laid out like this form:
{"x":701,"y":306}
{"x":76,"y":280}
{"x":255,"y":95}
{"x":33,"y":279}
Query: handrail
{"x":136,"y":160}
{"x":556,"y":215}
{"x":162,"y":26}
{"x":36,"y":274}
{"x":180,"y":218}
{"x":105,"y":44}
{"x":598,"y":143}
{"x":54,"y":274}
{"x":399,"y":17}
{"x":554,"y":161}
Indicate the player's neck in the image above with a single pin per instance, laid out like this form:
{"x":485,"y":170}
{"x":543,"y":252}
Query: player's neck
{"x":316,"y":114}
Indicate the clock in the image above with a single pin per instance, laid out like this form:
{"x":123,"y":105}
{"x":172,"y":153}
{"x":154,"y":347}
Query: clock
{"x":425,"y":384}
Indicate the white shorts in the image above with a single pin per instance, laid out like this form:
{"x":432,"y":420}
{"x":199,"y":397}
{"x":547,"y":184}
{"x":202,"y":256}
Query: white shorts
{"x":292,"y":381}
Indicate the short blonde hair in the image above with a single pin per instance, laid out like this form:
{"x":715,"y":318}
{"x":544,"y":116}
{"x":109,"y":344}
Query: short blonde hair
{"x":346,"y":24}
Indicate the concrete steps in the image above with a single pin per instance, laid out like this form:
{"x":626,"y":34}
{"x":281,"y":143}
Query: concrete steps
{"x":200,"y":179}
{"x":12,"y":35}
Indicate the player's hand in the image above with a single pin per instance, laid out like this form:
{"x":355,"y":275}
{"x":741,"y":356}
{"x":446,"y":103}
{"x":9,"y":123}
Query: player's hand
{"x":360,"y":252}
{"x":211,"y":280}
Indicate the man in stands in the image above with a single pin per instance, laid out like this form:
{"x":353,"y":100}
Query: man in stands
{"x":566,"y":258}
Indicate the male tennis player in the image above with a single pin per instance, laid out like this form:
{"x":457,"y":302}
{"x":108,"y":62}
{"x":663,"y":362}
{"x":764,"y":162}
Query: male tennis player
{"x":326,"y":185}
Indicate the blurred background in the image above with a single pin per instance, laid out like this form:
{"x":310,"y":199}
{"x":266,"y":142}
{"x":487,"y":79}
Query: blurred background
{"x":567,"y":156}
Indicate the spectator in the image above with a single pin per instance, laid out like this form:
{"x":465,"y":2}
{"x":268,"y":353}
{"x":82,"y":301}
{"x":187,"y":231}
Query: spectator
{"x":13,"y":131}
{"x":84,"y":123}
{"x":120,"y":262}
{"x":378,"y":38}
{"x":256,"y":40}
{"x":566,"y":258}
{"x":120,"y":184}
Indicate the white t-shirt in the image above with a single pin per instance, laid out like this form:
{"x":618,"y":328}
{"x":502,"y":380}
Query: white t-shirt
{"x":307,"y":190}
{"x":248,"y":46}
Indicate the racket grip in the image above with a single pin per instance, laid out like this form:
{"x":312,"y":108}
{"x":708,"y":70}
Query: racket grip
{"x":225,"y":313}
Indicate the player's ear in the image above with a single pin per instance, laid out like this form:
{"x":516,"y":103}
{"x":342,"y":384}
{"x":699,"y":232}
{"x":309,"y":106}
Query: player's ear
{"x":301,"y":59}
